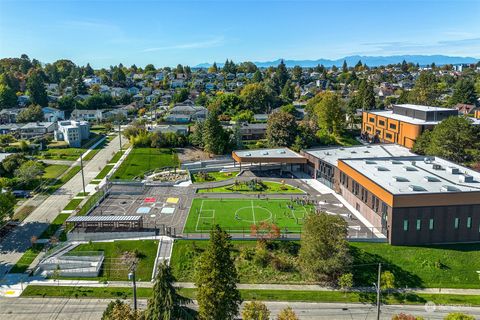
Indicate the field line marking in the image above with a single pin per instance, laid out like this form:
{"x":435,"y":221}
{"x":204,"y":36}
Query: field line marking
{"x":198,"y":218}
{"x":253,"y":213}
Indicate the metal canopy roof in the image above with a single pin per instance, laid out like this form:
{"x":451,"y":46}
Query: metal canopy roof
{"x":103,"y":218}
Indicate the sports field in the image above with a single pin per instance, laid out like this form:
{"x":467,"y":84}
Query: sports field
{"x":238,"y":215}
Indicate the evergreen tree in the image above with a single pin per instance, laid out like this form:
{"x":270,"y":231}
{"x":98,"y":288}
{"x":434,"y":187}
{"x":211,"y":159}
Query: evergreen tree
{"x":404,"y":66}
{"x":166,"y":303}
{"x":213,"y":68}
{"x":79,"y":87}
{"x":216,"y":279}
{"x":281,"y":76}
{"x":288,"y":92}
{"x":425,"y":90}
{"x":214,"y":137}
{"x":36,"y":89}
{"x":88,"y":70}
{"x":464,"y":92}
{"x":8,"y":98}
{"x":32,"y":113}
{"x":257,"y":76}
{"x":344,"y":66}
{"x":359,"y":65}
{"x":118,"y":75}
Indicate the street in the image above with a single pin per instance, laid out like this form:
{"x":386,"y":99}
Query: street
{"x":18,"y":241}
{"x":89,"y":309}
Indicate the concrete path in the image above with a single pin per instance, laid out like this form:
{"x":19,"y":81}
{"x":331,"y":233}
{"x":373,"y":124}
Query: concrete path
{"x":86,"y":309}
{"x":18,"y":241}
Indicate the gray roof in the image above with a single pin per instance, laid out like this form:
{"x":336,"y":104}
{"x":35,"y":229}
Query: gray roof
{"x":103,"y":218}
{"x":417,"y":174}
{"x":268,"y":153}
{"x":332,"y":154}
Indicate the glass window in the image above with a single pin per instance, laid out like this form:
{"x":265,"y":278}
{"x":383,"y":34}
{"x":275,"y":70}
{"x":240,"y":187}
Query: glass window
{"x":381,"y":122}
{"x":405,"y":225}
{"x":419,"y":224}
{"x":469,"y":222}
{"x":393,"y":126}
{"x":430,"y":224}
{"x":456,"y":223}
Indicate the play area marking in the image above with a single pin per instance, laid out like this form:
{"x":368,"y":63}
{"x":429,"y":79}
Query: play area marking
{"x":150,"y":200}
{"x":172,"y":200}
{"x":144,"y":210}
{"x":167,"y":210}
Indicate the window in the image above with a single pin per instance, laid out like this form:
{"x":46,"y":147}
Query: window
{"x":405,"y":225}
{"x":372,"y":120}
{"x":381,"y":122}
{"x":469,"y":222}
{"x":384,"y":208}
{"x":375,"y":203}
{"x":388,"y":135}
{"x":356,"y":188}
{"x":393,"y":126}
{"x":456,"y":223}
{"x":430,"y":224}
{"x":419,"y":224}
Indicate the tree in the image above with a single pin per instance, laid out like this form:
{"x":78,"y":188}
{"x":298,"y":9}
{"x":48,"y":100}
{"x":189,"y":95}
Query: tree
{"x":255,"y":310}
{"x":7,"y":203}
{"x":79,"y":87}
{"x":404,"y":316}
{"x":180,"y":95}
{"x":8,"y":98}
{"x":118,"y":75}
{"x":455,"y":139}
{"x":166,"y":303}
{"x":214,"y":137}
{"x":88,"y":71}
{"x":281,"y":129}
{"x":464,"y":92}
{"x":149,"y":68}
{"x":196,"y":137}
{"x":213,"y":68}
{"x":29,"y":171}
{"x":345,"y":281}
{"x":330,"y":116}
{"x":344,"y":66}
{"x":13,"y":162}
{"x":459,"y":316}
{"x":257,"y":76}
{"x":288,"y":92}
{"x":387,"y":280}
{"x":281,"y":76}
{"x":216,"y":279}
{"x":256,"y":97}
{"x":287,"y":314}
{"x":324,"y":252}
{"x":32,"y":113}
{"x":36,"y":89}
{"x":425,"y":90}
{"x":119,"y":310}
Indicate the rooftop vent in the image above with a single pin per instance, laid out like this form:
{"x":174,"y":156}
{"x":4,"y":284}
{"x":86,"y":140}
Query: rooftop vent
{"x":341,"y":148}
{"x":327,"y":153}
{"x":281,"y":151}
{"x":265,"y":153}
{"x":408,"y":168}
{"x":465,"y":178}
{"x":366,"y":151}
{"x":431,"y":179}
{"x":436,"y":166}
{"x":413,"y":187}
{"x":380,"y":168}
{"x":353,"y":152}
{"x":453,"y":170}
{"x":400,"y":179}
{"x":396,"y":162}
{"x":370,"y":162}
{"x":449,"y":188}
{"x":368,"y":147}
{"x":248,"y":154}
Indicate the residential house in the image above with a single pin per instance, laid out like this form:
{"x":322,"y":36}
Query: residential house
{"x":253,"y":131}
{"x":9,"y":115}
{"x":10,"y":128}
{"x":186,"y":113}
{"x":72,"y":132}
{"x":90,"y":81}
{"x":169,"y":129}
{"x":52,"y":114}
{"x":36,"y":129}
{"x":179,"y":83}
{"x":87,"y":115}
{"x":23,"y":100}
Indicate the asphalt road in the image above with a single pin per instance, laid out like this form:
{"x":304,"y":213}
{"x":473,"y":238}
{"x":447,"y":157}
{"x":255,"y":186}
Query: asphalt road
{"x":18,"y":241}
{"x":89,"y":309}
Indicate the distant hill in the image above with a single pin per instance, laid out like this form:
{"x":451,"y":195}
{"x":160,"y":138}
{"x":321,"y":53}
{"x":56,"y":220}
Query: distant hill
{"x":371,"y":61}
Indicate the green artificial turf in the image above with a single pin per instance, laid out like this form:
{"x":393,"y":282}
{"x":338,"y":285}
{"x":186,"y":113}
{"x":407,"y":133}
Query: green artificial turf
{"x":141,"y":160}
{"x":200,"y":177}
{"x":238,"y":215}
{"x":270,"y":187}
{"x":115,"y":267}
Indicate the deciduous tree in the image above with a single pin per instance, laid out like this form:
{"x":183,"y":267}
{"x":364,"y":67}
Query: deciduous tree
{"x":281,"y":129}
{"x":255,"y":310}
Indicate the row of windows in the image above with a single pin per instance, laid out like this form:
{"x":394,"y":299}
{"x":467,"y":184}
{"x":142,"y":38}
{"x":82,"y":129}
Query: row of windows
{"x":431,"y":223}
{"x":392,"y":126}
{"x":356,"y":190}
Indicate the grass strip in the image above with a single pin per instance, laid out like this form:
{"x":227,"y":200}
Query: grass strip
{"x":54,"y":226}
{"x":73,"y":204}
{"x":102,"y":174}
{"x":27,"y":259}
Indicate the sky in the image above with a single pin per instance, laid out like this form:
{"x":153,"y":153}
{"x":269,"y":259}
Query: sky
{"x":190,"y":32}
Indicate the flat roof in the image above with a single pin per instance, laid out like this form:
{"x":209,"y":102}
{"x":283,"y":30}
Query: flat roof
{"x":399,"y":117}
{"x":331,"y":155}
{"x":417,"y":174}
{"x":268,"y":153}
{"x":103,"y":218}
{"x":422,"y":107}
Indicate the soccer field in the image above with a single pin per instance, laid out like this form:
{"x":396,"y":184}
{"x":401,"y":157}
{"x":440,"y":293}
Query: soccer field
{"x":237,"y":215}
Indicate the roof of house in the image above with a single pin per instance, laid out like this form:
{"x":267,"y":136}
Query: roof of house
{"x":331,"y":155}
{"x":32,"y":125}
{"x":399,"y":117}
{"x":416,"y":174}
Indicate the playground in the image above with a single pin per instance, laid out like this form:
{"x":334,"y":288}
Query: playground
{"x":238,"y":215}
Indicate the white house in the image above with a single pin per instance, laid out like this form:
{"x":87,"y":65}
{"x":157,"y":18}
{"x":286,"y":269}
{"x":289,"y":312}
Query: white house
{"x":52,"y":114}
{"x":87,"y":115}
{"x":72,"y":132}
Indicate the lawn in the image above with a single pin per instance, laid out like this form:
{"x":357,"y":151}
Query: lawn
{"x":115,"y":266}
{"x":238,"y":215}
{"x":92,"y":200}
{"x":26,"y":259}
{"x":141,"y":160}
{"x":412,"y":266}
{"x":73,"y":204}
{"x":52,"y":171}
{"x":262,"y":295}
{"x":24,"y":212}
{"x":265,"y":187}
{"x":60,"y":182}
{"x":69,"y":153}
{"x":104,"y":171}
{"x":200,"y":177}
{"x":116,"y":157}
{"x":54,"y":226}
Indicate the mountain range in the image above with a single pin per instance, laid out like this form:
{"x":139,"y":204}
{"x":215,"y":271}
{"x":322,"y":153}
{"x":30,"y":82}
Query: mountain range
{"x":371,"y":61}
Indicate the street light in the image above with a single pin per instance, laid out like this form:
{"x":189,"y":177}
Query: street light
{"x":131,"y":276}
{"x":83,"y":177}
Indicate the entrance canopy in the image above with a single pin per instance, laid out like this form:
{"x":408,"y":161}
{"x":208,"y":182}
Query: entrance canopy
{"x":278,"y":155}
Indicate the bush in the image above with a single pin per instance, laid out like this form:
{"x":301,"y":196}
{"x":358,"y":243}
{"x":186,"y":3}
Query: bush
{"x":262,"y":256}
{"x":281,"y":263}
{"x":247,"y":254}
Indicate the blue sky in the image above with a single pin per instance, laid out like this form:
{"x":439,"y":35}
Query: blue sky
{"x":106,"y":32}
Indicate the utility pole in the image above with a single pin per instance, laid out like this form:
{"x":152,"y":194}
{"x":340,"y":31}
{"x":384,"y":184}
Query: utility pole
{"x":120,"y":135}
{"x":83,"y":177}
{"x":378,"y":290}
{"x":131,"y":276}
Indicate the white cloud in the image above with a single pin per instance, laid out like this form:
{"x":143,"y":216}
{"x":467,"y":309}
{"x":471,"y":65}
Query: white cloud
{"x":215,"y":42}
